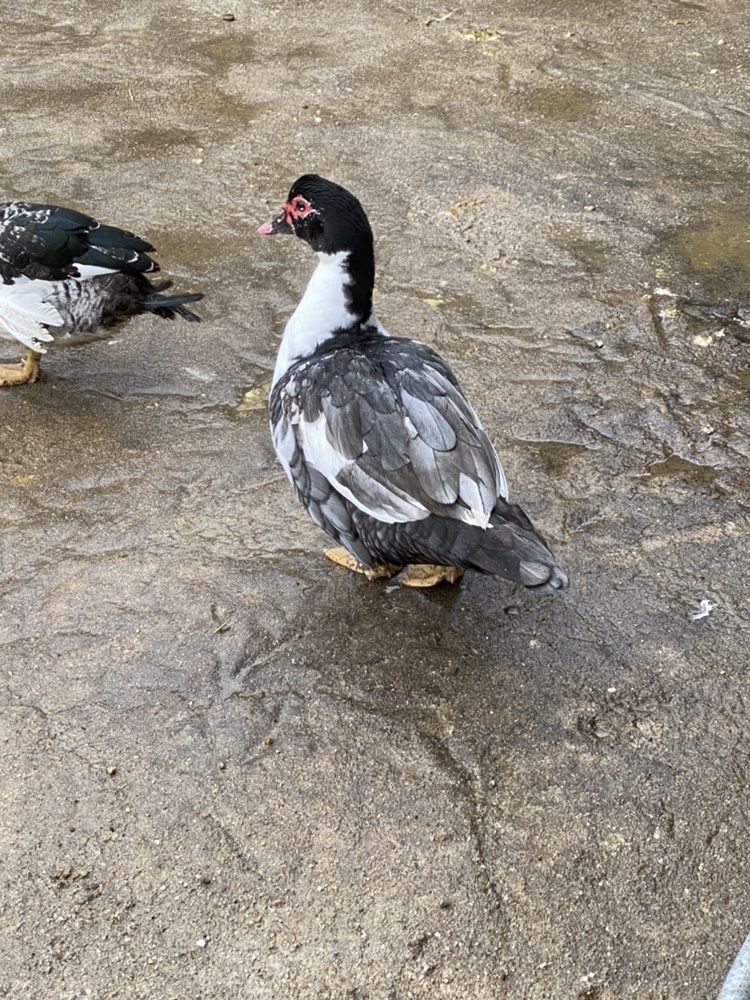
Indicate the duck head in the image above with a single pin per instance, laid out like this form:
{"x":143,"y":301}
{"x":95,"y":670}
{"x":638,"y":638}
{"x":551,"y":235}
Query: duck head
{"x":323,"y":214}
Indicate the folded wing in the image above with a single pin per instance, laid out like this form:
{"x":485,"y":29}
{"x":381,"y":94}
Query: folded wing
{"x":384,"y":424}
{"x":46,"y":242}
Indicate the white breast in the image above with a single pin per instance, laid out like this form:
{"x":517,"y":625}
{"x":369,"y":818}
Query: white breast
{"x":322,"y":310}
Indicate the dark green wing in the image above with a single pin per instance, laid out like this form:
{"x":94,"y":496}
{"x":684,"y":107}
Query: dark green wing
{"x":46,"y":241}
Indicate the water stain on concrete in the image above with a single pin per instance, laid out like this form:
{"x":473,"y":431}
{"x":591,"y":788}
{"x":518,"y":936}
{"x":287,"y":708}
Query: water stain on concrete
{"x":562,"y":102}
{"x":716,"y":252}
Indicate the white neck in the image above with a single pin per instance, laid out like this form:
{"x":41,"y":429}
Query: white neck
{"x":322,"y":310}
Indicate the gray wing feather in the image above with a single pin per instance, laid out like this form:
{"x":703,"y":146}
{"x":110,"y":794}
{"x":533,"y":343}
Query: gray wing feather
{"x":385,"y":425}
{"x":429,"y":423}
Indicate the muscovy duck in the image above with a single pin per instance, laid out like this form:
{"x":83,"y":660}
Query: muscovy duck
{"x":374,"y":432}
{"x":67,"y":279}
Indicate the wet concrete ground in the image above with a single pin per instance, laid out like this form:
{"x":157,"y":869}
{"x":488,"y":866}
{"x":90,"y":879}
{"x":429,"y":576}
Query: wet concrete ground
{"x":231,"y":769}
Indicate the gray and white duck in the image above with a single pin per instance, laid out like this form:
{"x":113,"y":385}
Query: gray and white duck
{"x":379,"y":442}
{"x":66,"y":279}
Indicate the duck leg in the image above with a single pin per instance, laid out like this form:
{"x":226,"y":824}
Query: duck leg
{"x":427,"y":575}
{"x":342,"y":557}
{"x":22,"y":373}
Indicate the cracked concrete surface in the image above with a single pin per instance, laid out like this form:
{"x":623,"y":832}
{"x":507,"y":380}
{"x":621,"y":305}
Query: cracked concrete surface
{"x":231,"y":769}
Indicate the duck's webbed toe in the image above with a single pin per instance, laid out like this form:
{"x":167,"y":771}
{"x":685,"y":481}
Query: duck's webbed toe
{"x":342,"y":557}
{"x":23,"y":372}
{"x":428,"y":575}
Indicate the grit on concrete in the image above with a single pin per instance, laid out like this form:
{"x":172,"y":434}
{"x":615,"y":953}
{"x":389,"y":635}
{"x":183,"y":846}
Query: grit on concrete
{"x":233,"y":770}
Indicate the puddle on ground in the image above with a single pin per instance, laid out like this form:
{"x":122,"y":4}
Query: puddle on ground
{"x":593,"y":255}
{"x":228,"y":49}
{"x":151,"y":141}
{"x":255,"y":400}
{"x":197,"y":246}
{"x":478,"y":35}
{"x":19,"y":97}
{"x":444,"y":300}
{"x":202,"y":104}
{"x":715,"y":254}
{"x":555,"y":455}
{"x":56,"y":33}
{"x":676,"y":465}
{"x":460,"y":311}
{"x":562,"y":102}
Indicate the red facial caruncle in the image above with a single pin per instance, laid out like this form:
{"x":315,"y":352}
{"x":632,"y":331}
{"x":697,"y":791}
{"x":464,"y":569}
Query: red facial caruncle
{"x":297,"y":208}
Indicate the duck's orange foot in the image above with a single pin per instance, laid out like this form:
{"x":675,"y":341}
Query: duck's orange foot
{"x":427,"y":575}
{"x":21,"y":373}
{"x":342,"y":557}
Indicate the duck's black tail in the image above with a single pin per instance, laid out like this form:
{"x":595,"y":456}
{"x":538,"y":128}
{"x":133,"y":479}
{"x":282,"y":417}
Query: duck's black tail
{"x":169,"y":306}
{"x":511,"y":547}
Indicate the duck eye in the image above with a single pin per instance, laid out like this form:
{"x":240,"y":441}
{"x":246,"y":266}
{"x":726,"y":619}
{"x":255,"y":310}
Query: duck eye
{"x":299,"y":206}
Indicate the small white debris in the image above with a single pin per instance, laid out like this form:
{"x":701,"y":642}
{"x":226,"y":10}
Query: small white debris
{"x":706,"y":339}
{"x":665,"y":291}
{"x":703,"y":611}
{"x":201,"y":942}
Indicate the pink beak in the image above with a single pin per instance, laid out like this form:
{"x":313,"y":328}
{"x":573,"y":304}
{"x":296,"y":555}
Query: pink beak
{"x":277,"y":226}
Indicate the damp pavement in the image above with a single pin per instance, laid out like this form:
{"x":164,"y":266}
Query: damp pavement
{"x":229,"y":768}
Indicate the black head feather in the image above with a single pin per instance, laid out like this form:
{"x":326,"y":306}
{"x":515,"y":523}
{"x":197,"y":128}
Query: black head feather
{"x":332,"y":221}
{"x":336,"y":220}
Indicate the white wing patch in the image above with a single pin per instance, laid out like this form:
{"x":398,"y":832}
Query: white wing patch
{"x":386,"y":503}
{"x":470,"y":494}
{"x":23,"y":310}
{"x":87,"y":271}
{"x":285,"y":443}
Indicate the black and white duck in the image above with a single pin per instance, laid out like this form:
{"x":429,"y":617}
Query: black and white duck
{"x":374,"y":432}
{"x":67,"y":279}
